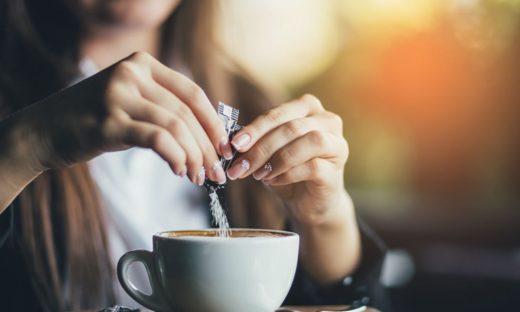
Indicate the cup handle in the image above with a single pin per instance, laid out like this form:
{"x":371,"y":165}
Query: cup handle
{"x":155,"y":300}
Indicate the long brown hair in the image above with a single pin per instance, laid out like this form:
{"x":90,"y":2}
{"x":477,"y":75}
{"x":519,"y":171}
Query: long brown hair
{"x":61,"y":231}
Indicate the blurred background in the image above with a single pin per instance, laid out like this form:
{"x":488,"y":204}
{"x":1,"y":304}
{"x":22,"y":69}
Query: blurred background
{"x":429,"y":91}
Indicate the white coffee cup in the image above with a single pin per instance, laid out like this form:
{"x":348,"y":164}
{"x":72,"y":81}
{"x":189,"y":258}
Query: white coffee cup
{"x":197,"y":271}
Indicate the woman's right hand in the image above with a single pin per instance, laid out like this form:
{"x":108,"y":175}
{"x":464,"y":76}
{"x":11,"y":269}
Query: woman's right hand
{"x":135,"y":102}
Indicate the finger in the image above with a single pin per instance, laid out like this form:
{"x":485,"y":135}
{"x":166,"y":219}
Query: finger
{"x":316,"y":169}
{"x":147,"y":111}
{"x":143,"y":134}
{"x":258,"y":155}
{"x":315,"y":144}
{"x":264,"y":149}
{"x":191,"y":94}
{"x":250,"y":134}
{"x":158,"y":94}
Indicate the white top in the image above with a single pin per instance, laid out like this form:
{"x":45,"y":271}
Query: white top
{"x":141,"y":197}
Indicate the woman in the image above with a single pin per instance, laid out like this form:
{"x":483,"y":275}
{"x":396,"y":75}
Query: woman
{"x":59,"y":202}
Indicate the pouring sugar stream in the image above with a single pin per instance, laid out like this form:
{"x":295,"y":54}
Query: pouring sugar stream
{"x":229,"y":116}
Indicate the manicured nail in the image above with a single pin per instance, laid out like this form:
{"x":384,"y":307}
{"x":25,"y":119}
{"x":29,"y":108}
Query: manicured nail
{"x":182,"y":173}
{"x":220,"y":175}
{"x":201,"y":176}
{"x":263,"y":172}
{"x":225,"y":148}
{"x":241,"y":141}
{"x":238,"y":169}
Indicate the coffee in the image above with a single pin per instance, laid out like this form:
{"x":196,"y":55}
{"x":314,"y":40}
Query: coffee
{"x":197,"y":270}
{"x":234,"y":233}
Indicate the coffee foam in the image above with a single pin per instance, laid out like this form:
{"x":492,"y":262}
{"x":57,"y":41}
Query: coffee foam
{"x":214,"y":233}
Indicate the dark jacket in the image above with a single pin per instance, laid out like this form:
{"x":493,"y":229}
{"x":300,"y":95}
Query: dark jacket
{"x":17,"y":294}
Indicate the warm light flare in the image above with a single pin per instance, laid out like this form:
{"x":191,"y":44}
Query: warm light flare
{"x":427,"y":88}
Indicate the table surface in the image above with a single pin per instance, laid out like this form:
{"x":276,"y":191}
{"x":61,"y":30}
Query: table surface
{"x":324,"y":308}
{"x":306,"y":308}
{"x":316,"y":308}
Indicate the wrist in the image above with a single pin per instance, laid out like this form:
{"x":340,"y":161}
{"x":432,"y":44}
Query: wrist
{"x":331,"y":249}
{"x":16,"y":167}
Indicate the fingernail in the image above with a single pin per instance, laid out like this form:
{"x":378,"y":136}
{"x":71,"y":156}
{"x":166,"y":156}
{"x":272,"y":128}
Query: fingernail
{"x":241,"y":141}
{"x":182,"y":173}
{"x":220,"y":175}
{"x":225,"y":148}
{"x":262,"y":173}
{"x":201,"y":176}
{"x":238,"y":169}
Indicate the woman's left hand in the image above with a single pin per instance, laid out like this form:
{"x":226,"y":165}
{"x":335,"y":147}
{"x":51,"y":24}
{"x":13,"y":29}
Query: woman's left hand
{"x":299,"y":150}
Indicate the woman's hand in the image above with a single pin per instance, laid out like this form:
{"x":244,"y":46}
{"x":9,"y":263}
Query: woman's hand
{"x":298,"y":149}
{"x":136,"y":102}
{"x":305,"y":152}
